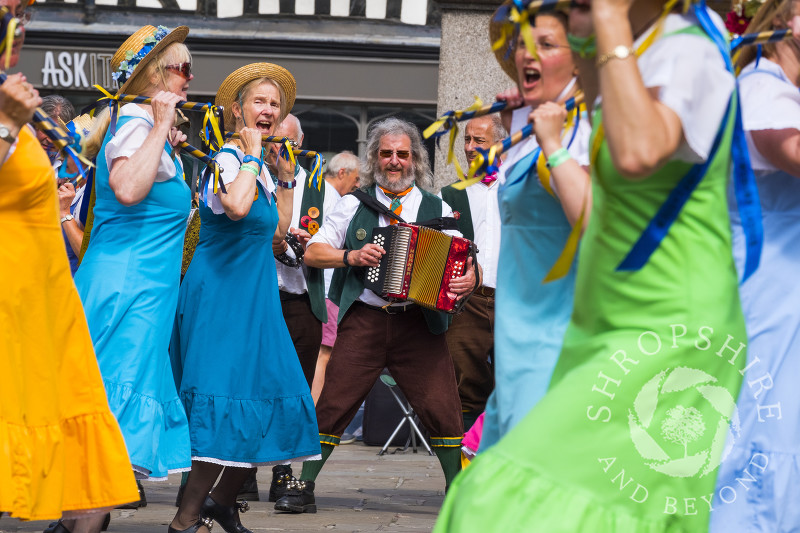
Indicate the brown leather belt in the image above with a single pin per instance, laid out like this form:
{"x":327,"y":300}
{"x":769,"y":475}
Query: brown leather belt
{"x":390,"y":309}
{"x":485,"y":291}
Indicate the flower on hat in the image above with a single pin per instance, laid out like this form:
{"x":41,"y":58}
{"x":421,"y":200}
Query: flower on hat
{"x":132,"y":59}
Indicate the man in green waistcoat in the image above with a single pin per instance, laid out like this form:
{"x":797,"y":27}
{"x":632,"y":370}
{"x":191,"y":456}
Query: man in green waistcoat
{"x":375,"y":333}
{"x":471,"y":335}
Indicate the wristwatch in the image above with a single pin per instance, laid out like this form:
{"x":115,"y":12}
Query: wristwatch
{"x":5,"y":134}
{"x":65,"y":217}
{"x":618,"y":52}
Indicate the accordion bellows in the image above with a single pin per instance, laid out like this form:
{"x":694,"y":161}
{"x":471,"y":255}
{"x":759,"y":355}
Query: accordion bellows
{"x":418,"y":265}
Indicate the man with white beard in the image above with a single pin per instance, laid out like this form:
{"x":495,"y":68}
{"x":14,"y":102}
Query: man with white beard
{"x":375,"y":333}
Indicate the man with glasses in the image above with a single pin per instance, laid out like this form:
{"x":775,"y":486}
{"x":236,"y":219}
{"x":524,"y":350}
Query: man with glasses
{"x":375,"y":333}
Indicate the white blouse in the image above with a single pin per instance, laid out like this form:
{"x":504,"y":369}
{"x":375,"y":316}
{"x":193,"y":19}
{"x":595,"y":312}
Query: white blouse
{"x":769,"y":102}
{"x":130,"y":137}
{"x":692,"y":81}
{"x":229,"y":164}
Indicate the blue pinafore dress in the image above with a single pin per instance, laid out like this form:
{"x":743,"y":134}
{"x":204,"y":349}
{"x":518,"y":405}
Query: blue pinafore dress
{"x":128,"y":282}
{"x":236,"y":368}
{"x":532,"y":316}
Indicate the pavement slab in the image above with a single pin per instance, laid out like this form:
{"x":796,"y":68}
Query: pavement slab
{"x":356,"y":491}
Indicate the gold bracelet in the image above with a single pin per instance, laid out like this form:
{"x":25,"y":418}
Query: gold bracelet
{"x":618,"y":52}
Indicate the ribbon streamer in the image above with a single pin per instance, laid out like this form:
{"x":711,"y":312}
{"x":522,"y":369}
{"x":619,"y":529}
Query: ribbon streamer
{"x":61,"y":139}
{"x":212,"y":165}
{"x":211,"y":133}
{"x":9,"y":30}
{"x":484,"y":162}
{"x":749,"y":39}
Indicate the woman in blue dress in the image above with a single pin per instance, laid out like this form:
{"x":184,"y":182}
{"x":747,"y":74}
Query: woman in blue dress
{"x":537,"y":214}
{"x":237,"y":371}
{"x":757,"y":485}
{"x":128,"y":279}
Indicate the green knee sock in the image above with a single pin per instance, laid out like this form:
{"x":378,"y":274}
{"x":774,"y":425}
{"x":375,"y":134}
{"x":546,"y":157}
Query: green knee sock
{"x":311,"y":469}
{"x":450,"y":458}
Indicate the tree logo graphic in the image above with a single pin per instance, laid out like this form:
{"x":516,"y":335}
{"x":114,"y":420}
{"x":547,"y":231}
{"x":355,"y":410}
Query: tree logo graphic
{"x":683,"y":425}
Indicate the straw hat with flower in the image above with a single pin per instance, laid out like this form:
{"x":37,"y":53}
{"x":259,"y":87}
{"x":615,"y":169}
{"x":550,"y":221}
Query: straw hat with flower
{"x":141,"y":48}
{"x":228,"y":92}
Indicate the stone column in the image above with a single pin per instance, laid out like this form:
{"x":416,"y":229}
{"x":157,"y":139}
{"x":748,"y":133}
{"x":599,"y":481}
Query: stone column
{"x":467,"y":68}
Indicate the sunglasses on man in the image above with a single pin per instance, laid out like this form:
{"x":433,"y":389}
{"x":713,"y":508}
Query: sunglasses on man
{"x":401,"y":154}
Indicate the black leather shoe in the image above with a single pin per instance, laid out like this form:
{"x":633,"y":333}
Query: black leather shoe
{"x":57,"y":527}
{"x":194,"y":527}
{"x":226,"y":516}
{"x":136,"y":505}
{"x":249,"y":490}
{"x":299,"y":498}
{"x":281,"y":475}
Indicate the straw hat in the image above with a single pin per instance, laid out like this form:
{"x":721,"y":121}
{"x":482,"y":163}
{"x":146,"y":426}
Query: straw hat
{"x":140,"y":48}
{"x":229,"y":90}
{"x":83,"y":123}
{"x":505,"y":54}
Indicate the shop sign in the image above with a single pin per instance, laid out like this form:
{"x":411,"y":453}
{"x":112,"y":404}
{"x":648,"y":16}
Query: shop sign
{"x":77,"y":70}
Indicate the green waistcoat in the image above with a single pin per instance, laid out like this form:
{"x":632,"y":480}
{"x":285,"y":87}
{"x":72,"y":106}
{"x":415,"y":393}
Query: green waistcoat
{"x":315,"y":281}
{"x":459,"y":201}
{"x":348,"y":282}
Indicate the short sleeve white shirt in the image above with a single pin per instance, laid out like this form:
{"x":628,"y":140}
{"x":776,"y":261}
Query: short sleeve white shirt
{"x":229,"y":164}
{"x":130,"y":137}
{"x":692,"y":81}
{"x":334,"y":230}
{"x":770,"y":101}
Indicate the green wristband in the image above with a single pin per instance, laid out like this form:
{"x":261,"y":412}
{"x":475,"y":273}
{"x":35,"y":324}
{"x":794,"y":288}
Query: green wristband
{"x":586,"y":47}
{"x":250,"y":168}
{"x":558,"y":157}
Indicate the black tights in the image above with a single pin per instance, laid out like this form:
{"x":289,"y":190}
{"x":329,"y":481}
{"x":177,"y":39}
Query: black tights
{"x":201,"y":481}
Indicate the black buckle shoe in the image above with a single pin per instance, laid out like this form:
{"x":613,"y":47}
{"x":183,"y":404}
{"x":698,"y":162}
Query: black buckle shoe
{"x":194,"y":527}
{"x":57,"y":527}
{"x":299,"y":498}
{"x":226,"y":516}
{"x":281,"y":475}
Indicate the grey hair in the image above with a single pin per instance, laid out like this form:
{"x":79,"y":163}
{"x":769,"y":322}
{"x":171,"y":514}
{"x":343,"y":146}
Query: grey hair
{"x":56,"y":106}
{"x":346,"y":160}
{"x":420,"y":162}
{"x":498,"y":130}
{"x":292,"y":118}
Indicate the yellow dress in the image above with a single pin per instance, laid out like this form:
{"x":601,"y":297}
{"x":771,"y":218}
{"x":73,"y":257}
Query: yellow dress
{"x":61,"y":450}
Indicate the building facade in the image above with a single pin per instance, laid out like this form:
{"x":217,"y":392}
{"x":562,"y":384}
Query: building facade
{"x":355,"y":61}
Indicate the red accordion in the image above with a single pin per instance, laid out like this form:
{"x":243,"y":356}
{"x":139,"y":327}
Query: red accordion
{"x":418,"y":265}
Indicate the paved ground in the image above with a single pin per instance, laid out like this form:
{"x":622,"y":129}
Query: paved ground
{"x":356,"y":491}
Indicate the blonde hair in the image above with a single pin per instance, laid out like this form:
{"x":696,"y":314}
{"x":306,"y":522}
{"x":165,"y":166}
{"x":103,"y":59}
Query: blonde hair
{"x":245,"y":91}
{"x":772,"y":15}
{"x":141,"y":84}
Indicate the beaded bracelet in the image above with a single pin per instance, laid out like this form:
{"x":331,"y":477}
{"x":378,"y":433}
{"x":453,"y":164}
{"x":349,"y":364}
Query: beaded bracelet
{"x":250,"y":168}
{"x":558,"y":157}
